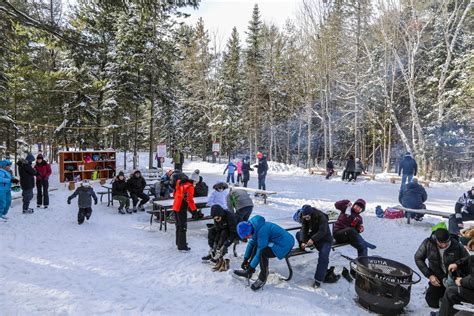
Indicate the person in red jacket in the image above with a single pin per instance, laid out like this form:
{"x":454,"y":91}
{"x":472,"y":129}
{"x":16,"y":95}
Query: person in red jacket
{"x":183,"y":199}
{"x":42,"y":181}
{"x":350,"y":225}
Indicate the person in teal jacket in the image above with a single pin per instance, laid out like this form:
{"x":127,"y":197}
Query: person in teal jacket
{"x":265,"y":240}
{"x":6,"y":181}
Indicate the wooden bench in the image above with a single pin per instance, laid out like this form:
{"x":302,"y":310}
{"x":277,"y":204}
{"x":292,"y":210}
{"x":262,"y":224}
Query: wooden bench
{"x":163,"y":207}
{"x":422,"y":212}
{"x":321,"y":172}
{"x":263,"y":193}
{"x":295,"y":252}
{"x":424,"y":183}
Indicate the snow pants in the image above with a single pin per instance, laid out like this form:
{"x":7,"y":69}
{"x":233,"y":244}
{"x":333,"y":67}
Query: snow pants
{"x":27,"y":197}
{"x":324,"y":250}
{"x":230,"y":177}
{"x":5,"y":201}
{"x":216,"y":239}
{"x":455,"y":295}
{"x":83,"y":213}
{"x":351,"y":236}
{"x":329,"y":173}
{"x":261,"y":181}
{"x":453,"y":221}
{"x":265,"y":254}
{"x":123,"y":201}
{"x":244,"y":213}
{"x":434,"y":294}
{"x":42,"y":196}
{"x":181,"y":228}
{"x":239,"y":178}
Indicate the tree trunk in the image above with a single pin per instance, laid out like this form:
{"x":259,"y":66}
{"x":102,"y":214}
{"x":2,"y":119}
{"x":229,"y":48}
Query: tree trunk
{"x":152,"y":120}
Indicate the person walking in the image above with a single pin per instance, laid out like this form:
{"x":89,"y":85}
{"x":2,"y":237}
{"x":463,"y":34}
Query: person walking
{"x":407,"y":169}
{"x":350,"y":169}
{"x":43,"y":169}
{"x":27,"y":181}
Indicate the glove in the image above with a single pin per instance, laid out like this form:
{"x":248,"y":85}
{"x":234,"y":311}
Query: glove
{"x":68,"y":201}
{"x":361,"y":229}
{"x":95,"y":202}
{"x":15,"y":181}
{"x":245,"y":264}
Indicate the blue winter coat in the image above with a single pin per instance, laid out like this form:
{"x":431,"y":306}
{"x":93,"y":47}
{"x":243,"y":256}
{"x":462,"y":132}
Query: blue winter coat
{"x":266,"y":234}
{"x":5,"y":180}
{"x":230,"y":168}
{"x":413,"y":196}
{"x":408,"y":166}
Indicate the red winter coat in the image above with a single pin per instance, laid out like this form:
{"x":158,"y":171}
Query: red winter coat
{"x":44,"y":170}
{"x":348,"y":220}
{"x":184,"y":191}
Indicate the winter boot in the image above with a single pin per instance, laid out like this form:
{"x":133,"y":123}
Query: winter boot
{"x":225,"y":265}
{"x":121,"y":211}
{"x":46,"y":206}
{"x":28,"y":211}
{"x":209,"y":256}
{"x":128,"y":211}
{"x":80,"y":218}
{"x":134,"y":209}
{"x":346,"y":275}
{"x":331,"y":277}
{"x":218,"y":265}
{"x":316,"y":284}
{"x":257,"y":285}
{"x":38,"y":206}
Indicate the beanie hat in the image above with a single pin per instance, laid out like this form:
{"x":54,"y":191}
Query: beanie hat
{"x":121,"y":174}
{"x":296,"y":216}
{"x":30,"y":158}
{"x":442,"y":235}
{"x":195,"y":176}
{"x":244,"y":229}
{"x":414,"y":180}
{"x":137,"y":172}
{"x":361,"y":203}
{"x":86,"y":183}
{"x":4,"y":163}
{"x":39,"y":156}
{"x":217,"y":210}
{"x":306,"y":210}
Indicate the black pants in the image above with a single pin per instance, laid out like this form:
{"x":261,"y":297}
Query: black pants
{"x":42,"y":198}
{"x":356,"y":174}
{"x":350,"y":175}
{"x":434,"y":294}
{"x":83,"y":213}
{"x":135,"y":196}
{"x":351,"y":236}
{"x":455,"y":295}
{"x":178,"y":166}
{"x":239,"y":177}
{"x":265,"y":254}
{"x":217,"y":238}
{"x":181,"y":228}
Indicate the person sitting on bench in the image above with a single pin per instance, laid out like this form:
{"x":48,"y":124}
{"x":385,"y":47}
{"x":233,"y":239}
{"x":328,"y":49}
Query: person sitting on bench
{"x":220,"y":236}
{"x":219,"y":195}
{"x":464,"y":209}
{"x":315,"y":232}
{"x":240,"y":203}
{"x":413,"y":196}
{"x":135,"y":185}
{"x":440,"y":250}
{"x":265,"y":240}
{"x":119,"y":193}
{"x":463,"y":289}
{"x":349,"y":226}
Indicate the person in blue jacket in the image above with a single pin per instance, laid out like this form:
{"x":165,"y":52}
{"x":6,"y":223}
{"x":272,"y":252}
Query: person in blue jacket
{"x":265,"y":240}
{"x":413,"y":196}
{"x":6,"y":180}
{"x":230,"y":168}
{"x":407,"y":169}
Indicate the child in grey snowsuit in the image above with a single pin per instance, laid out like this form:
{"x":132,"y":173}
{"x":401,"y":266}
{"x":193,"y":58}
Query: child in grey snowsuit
{"x":85,"y":193}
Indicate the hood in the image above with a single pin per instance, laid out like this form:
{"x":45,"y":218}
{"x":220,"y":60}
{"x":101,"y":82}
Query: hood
{"x":4,"y":163}
{"x":217,"y":210}
{"x":30,"y":158}
{"x":257,"y":222}
{"x":22,"y":161}
{"x":412,"y":185}
{"x":361,"y":203}
{"x":222,"y":185}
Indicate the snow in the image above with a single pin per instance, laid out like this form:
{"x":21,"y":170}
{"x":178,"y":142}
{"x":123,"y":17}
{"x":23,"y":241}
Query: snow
{"x":118,"y":264}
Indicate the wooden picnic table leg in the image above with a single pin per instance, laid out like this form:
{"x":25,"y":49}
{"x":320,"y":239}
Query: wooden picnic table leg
{"x":166,"y":221}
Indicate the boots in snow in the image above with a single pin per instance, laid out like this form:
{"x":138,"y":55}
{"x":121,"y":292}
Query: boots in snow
{"x":121,"y":211}
{"x":244,"y":273}
{"x":225,"y":265}
{"x":28,"y":211}
{"x":331,"y":277}
{"x":218,"y":265}
{"x":257,"y":285}
{"x":316,"y":284}
{"x":209,"y":256}
{"x":128,"y":211}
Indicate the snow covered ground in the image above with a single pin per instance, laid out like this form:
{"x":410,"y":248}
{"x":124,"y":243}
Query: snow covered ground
{"x":118,"y":264}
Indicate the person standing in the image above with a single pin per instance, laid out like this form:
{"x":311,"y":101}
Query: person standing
{"x":27,"y":181}
{"x":329,"y":168}
{"x":262,"y":168}
{"x":183,"y":199}
{"x":230,"y":168}
{"x":464,"y":211}
{"x":177,"y":161}
{"x":359,"y":168}
{"x":407,"y":169}
{"x":85,"y":194}
{"x":239,"y":171}
{"x":350,"y":169}
{"x":246,"y":168}
{"x":6,"y":180}
{"x":42,"y":181}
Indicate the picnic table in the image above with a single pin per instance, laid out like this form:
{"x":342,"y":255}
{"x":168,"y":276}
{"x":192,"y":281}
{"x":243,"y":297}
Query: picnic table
{"x":108,"y":187}
{"x":263,"y":193}
{"x":161,"y":207}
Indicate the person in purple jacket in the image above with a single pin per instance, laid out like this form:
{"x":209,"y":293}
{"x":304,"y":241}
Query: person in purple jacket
{"x":350,"y":225}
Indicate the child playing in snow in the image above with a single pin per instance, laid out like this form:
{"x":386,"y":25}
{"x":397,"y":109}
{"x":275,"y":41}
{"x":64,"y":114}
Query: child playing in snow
{"x":239,"y":172}
{"x":86,"y":194}
{"x":230,"y":168}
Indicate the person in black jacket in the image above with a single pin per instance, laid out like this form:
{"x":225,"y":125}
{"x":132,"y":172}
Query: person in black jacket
{"x":329,"y":168}
{"x":119,"y":193}
{"x":246,"y":168}
{"x":407,"y":169}
{"x":463,"y":290}
{"x":135,"y":185}
{"x":464,"y":211}
{"x":27,"y":181}
{"x":315,"y":232}
{"x":200,"y":190}
{"x":262,"y":168}
{"x":413,"y":196}
{"x":441,"y":250}
{"x":350,"y":169}
{"x":220,"y":236}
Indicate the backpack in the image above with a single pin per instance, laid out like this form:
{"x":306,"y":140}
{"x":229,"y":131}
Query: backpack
{"x":392,"y":213}
{"x":379,"y":211}
{"x":69,"y":167}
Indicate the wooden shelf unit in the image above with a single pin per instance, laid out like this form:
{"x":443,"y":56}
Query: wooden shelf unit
{"x":76,"y":159}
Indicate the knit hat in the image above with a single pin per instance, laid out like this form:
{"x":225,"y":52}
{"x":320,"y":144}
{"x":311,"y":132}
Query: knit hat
{"x":195,"y":176}
{"x":306,"y":210}
{"x":259,"y":155}
{"x":217,"y":210}
{"x":39,"y":156}
{"x":361,"y":203}
{"x":296,"y":216}
{"x":442,"y":235}
{"x":244,"y":229}
{"x":408,"y":153}
{"x":137,"y":172}
{"x":121,"y":174}
{"x":5,"y":163}
{"x":30,"y":157}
